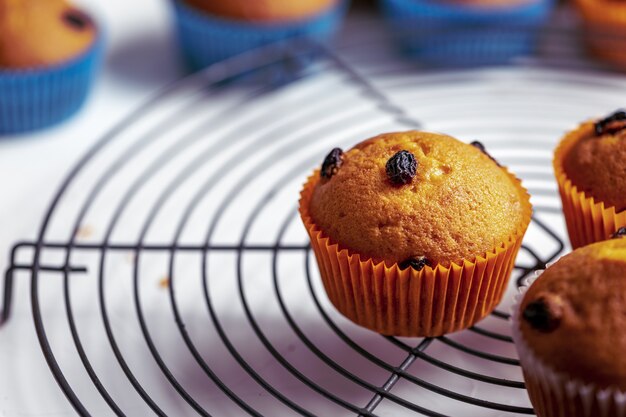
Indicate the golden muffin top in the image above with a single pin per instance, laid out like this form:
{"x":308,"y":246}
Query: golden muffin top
{"x":596,"y":162}
{"x":417,"y":198}
{"x":39,"y":33}
{"x":573,"y":317}
{"x":488,"y":3}
{"x":263,"y":10}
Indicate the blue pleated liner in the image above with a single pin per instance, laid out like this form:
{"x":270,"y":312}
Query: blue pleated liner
{"x":206,"y":39}
{"x":448,"y":33}
{"x":36,"y":98}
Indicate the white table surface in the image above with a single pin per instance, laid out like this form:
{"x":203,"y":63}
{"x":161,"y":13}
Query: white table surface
{"x":141,"y":56}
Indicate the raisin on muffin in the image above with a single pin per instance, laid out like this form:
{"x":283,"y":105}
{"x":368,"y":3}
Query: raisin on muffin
{"x":596,"y":162}
{"x":50,"y":52}
{"x":457,"y":203}
{"x":39,"y":33}
{"x":415,"y":233}
{"x":570,"y":331}
{"x":591,"y":173}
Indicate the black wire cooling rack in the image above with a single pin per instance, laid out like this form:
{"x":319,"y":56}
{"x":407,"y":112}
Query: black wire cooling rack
{"x":174,"y":247}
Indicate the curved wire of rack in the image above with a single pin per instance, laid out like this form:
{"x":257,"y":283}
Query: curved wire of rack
{"x":272,"y":65}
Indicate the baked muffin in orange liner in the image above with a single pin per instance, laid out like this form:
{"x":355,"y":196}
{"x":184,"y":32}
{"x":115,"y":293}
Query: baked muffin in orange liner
{"x":605,"y":27}
{"x":407,"y":302}
{"x":588,"y":220}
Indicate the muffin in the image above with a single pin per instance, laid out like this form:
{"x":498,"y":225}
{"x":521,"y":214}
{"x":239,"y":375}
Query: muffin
{"x":605,"y":29}
{"x":591,"y":174}
{"x":415,"y":233}
{"x":471,"y":32}
{"x":570,"y":331}
{"x":263,"y":10}
{"x":49,"y":51}
{"x":213,"y":30}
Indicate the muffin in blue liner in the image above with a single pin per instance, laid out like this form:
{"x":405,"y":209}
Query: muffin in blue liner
{"x":206,"y":38}
{"x":447,"y":33}
{"x":36,"y":98}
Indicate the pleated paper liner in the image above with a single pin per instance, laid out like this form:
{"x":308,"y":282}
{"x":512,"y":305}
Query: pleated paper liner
{"x":426,"y":303}
{"x":206,"y":39}
{"x":555,"y":394}
{"x":587,"y":221}
{"x":37,"y":98}
{"x":455,"y":34}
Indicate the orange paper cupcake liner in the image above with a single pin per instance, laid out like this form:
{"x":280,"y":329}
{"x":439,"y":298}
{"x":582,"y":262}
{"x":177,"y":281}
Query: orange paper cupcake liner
{"x":606,"y":44}
{"x":587,"y":221}
{"x":605,"y":28}
{"x":427,"y":303}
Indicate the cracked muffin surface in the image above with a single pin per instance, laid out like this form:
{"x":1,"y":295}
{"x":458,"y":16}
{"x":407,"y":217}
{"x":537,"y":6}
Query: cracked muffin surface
{"x":574,"y":315}
{"x":596,"y":163}
{"x":458,"y":204}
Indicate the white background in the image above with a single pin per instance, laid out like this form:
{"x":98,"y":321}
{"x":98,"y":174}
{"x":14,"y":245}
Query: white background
{"x":140,"y":57}
{"x":519,"y":111}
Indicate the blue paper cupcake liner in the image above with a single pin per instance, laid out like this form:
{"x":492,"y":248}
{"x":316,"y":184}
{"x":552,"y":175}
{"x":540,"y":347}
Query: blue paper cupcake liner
{"x":32,"y":99}
{"x":206,"y":39}
{"x":449,"y":34}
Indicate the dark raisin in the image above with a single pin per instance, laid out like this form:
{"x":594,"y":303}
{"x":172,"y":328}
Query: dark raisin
{"x":401,"y":168}
{"x":332,"y":163}
{"x":417,"y":263}
{"x":76,"y":19}
{"x":478,"y":145}
{"x":544,"y":314}
{"x":620,"y":234}
{"x":611,"y":124}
